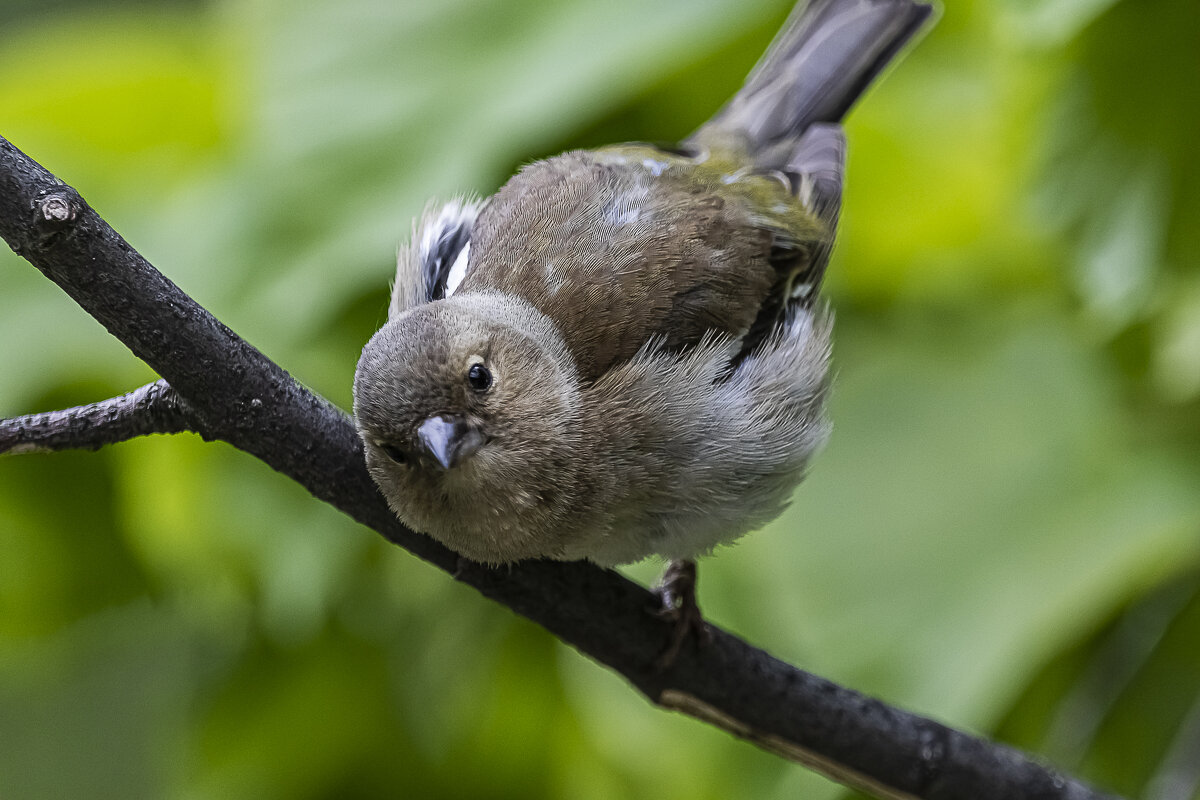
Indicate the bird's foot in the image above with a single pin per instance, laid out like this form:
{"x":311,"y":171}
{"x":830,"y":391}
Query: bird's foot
{"x":677,"y":592}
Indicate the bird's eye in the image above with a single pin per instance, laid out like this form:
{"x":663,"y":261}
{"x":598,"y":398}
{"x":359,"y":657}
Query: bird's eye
{"x":394,"y":453}
{"x":479,"y":377}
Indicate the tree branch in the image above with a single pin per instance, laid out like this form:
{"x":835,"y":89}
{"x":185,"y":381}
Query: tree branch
{"x":154,"y":408}
{"x":231,"y":391}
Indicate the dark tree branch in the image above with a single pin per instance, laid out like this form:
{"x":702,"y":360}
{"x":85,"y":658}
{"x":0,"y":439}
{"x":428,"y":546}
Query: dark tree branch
{"x":154,"y":408}
{"x":233,"y":392}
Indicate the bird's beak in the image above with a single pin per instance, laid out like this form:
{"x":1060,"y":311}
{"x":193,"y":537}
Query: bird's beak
{"x":449,"y":439}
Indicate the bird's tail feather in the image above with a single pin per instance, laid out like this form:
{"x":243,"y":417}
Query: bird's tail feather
{"x":823,"y":60}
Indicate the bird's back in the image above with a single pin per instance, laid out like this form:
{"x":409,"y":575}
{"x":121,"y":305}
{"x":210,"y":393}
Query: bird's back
{"x":574,"y":234}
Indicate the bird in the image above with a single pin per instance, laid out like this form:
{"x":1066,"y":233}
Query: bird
{"x":624,"y":352}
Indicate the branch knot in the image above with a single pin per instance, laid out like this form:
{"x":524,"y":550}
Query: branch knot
{"x":56,"y":209}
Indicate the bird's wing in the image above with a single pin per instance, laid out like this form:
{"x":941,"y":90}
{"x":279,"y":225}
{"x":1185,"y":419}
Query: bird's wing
{"x":434,"y":262}
{"x":633,"y":245}
{"x":815,"y":170}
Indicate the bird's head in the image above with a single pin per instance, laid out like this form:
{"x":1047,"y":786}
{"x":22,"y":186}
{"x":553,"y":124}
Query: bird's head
{"x":468,"y":412}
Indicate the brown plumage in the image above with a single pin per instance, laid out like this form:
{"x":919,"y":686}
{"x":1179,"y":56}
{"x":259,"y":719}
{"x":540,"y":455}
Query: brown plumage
{"x":576,"y":232}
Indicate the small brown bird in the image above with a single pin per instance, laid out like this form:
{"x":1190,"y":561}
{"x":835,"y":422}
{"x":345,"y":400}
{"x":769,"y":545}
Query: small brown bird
{"x":621,"y":352}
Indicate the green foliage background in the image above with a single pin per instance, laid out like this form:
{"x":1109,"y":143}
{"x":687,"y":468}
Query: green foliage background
{"x":1004,"y":532}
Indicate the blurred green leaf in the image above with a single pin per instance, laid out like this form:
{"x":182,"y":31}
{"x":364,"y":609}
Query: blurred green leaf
{"x":1049,"y":23}
{"x":1122,"y":703}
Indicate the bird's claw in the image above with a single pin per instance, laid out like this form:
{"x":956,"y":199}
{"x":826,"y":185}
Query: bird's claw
{"x":677,"y":594}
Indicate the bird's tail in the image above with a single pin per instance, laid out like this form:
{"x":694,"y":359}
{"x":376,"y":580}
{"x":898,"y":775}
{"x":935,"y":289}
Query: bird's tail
{"x":820,"y":63}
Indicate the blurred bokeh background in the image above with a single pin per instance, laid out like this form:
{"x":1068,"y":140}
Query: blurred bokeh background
{"x":1004,"y":532}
